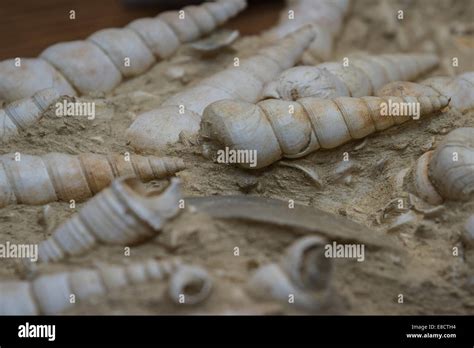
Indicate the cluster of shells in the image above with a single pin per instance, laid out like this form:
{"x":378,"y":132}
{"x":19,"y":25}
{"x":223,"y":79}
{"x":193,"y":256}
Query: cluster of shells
{"x":285,"y":101}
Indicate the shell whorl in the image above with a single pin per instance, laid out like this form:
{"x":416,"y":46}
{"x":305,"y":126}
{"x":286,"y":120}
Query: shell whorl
{"x":276,"y":128}
{"x":156,"y":128}
{"x":124,"y":213}
{"x":51,"y":293}
{"x":460,"y":89}
{"x":448,"y":171}
{"x":99,"y":63}
{"x":19,"y":115}
{"x":303,"y":271}
{"x":362,"y":77}
{"x":38,"y":180}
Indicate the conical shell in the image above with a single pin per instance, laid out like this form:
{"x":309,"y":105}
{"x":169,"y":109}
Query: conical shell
{"x":125,"y":213}
{"x":56,"y":176}
{"x":276,"y":128}
{"x":20,"y":115}
{"x":32,"y":76}
{"x":182,"y":111}
{"x":157,"y":35}
{"x":304,"y":274}
{"x":85,"y":65}
{"x":451,"y":168}
{"x":190,"y":285}
{"x":362,"y":77}
{"x":125,"y":49}
{"x":51,"y":293}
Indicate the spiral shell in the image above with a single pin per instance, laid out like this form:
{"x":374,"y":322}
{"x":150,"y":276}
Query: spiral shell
{"x":325,"y":16}
{"x":51,"y":293}
{"x":276,"y":128}
{"x":99,"y":63}
{"x":60,"y":177}
{"x":362,"y":77}
{"x":124,"y":213}
{"x":459,"y":89}
{"x":303,"y":272}
{"x":448,"y":171}
{"x":182,"y":111}
{"x":19,"y":115}
{"x":190,"y":285}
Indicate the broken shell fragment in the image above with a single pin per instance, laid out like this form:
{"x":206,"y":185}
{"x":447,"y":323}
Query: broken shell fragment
{"x":190,"y":285}
{"x":123,"y":214}
{"x":217,"y":41}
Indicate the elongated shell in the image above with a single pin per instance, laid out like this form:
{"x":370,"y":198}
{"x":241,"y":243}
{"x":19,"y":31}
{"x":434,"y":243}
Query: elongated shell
{"x":32,"y":76}
{"x":362,"y":77}
{"x":124,"y":213}
{"x":303,"y":273}
{"x":276,"y":128}
{"x":99,"y":63}
{"x":51,"y":293}
{"x":20,"y":115}
{"x":190,"y":285}
{"x":448,"y":171}
{"x":460,"y":89}
{"x":182,"y":111}
{"x":61,"y":177}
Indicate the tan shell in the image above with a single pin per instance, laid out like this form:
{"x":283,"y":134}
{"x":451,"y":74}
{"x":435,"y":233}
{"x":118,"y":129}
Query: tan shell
{"x":276,"y":128}
{"x":99,"y":63}
{"x":124,"y":213}
{"x":190,"y":285}
{"x":303,"y":272}
{"x":32,"y":76}
{"x":447,"y":172}
{"x":56,"y":176}
{"x":154,"y":129}
{"x":51,"y":293}
{"x":20,"y":115}
{"x":362,"y":77}
{"x":459,"y":89}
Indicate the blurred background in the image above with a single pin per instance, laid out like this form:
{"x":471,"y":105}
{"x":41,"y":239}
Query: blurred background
{"x":27,"y":27}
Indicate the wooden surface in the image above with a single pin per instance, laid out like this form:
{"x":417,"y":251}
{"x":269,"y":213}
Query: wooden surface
{"x":27,"y":27}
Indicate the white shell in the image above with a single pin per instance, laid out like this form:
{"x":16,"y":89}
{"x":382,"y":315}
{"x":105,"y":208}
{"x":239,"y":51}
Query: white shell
{"x":448,"y":170}
{"x":51,"y":293}
{"x":85,"y":65}
{"x":362,"y":77}
{"x":276,"y":128}
{"x":122,"y":214}
{"x":32,"y":76}
{"x":121,"y":45}
{"x":304,"y":273}
{"x":56,"y":176}
{"x":19,"y":115}
{"x":190,"y":285}
{"x":153,"y":129}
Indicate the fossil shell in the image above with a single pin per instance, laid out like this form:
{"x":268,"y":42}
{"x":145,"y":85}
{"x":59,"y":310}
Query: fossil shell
{"x":19,"y":115}
{"x":124,"y":213}
{"x":156,"y":128}
{"x":303,"y":272}
{"x":362,"y":77}
{"x":55,"y":176}
{"x":98,"y":64}
{"x":190,"y":285}
{"x":276,"y":128}
{"x":216,"y":41}
{"x":122,"y":44}
{"x":31,"y":77}
{"x":448,"y":171}
{"x":50,"y":293}
{"x":84,"y":64}
{"x":459,"y":89}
